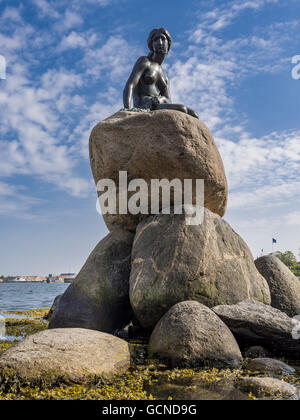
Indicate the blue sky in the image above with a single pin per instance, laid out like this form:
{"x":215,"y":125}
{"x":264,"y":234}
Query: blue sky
{"x":67,"y":63}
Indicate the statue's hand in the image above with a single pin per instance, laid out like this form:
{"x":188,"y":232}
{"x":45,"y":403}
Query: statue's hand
{"x":164,"y":100}
{"x":155,"y":101}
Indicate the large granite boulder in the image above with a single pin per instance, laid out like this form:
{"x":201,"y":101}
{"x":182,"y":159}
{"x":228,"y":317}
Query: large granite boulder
{"x":284,"y":285}
{"x":190,"y":334}
{"x":254,"y":323}
{"x":98,"y":299}
{"x":75,"y":352}
{"x":173,"y":262}
{"x":161,"y":144}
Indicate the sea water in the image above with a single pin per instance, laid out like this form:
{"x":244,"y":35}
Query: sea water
{"x":24,"y":296}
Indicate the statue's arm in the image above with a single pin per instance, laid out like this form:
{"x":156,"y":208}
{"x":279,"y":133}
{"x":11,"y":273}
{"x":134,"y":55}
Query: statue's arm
{"x":166,"y":91}
{"x":137,"y":72}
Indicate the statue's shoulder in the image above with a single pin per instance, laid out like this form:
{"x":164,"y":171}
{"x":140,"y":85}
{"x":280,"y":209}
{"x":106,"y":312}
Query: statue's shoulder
{"x":142,"y":62}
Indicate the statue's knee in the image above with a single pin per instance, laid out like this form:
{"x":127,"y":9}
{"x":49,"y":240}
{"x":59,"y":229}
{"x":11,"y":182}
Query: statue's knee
{"x":184,"y":109}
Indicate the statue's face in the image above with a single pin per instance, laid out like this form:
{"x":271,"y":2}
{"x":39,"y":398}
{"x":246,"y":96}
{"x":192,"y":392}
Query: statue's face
{"x":160,"y":44}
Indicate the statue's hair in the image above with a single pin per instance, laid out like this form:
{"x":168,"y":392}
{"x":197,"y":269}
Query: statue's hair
{"x":156,"y":32}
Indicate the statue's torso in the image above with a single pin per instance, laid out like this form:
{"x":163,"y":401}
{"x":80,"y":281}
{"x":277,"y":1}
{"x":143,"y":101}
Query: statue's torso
{"x":153,"y":83}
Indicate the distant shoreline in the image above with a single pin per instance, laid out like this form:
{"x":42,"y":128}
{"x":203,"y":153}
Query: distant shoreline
{"x":34,"y":282}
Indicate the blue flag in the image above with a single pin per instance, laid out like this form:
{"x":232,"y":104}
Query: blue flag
{"x":274,"y":241}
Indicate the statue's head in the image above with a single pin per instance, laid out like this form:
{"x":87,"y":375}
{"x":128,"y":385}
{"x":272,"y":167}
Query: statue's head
{"x":159,"y":40}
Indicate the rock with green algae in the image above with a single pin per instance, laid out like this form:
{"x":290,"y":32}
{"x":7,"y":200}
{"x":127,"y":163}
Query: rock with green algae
{"x":76,"y":353}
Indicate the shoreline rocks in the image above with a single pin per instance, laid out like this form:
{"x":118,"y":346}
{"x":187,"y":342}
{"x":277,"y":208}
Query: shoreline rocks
{"x":256,"y":352}
{"x":253,"y":323}
{"x":190,"y":335}
{"x":74,"y":352}
{"x":268,"y":387}
{"x":284,"y":285}
{"x":267,"y":365}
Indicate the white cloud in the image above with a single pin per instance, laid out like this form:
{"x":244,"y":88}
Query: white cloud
{"x":32,"y":132}
{"x":115,"y":56}
{"x":76,"y":40}
{"x":223,"y":16}
{"x":72,"y":19}
{"x":47,"y":8}
{"x":11,"y":13}
{"x":16,"y":202}
{"x":271,"y":159}
{"x":293,"y":219}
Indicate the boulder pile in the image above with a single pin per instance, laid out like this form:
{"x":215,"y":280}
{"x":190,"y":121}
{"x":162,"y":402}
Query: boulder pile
{"x":171,"y":279}
{"x":195,"y":289}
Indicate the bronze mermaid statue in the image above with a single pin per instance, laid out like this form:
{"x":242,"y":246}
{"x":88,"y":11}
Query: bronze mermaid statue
{"x":148,"y":84}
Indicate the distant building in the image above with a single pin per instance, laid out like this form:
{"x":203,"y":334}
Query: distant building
{"x":67,"y":277}
{"x":19,"y":280}
{"x":34,"y":278}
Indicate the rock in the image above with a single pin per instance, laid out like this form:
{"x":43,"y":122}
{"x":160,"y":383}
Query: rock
{"x":284,"y":285}
{"x":75,"y":352}
{"x":2,"y":327}
{"x":267,"y":387}
{"x":162,"y":144}
{"x":255,"y":352}
{"x":54,"y":305}
{"x":190,"y":334}
{"x":173,"y":262}
{"x":267,"y":365}
{"x":258,"y":324}
{"x":98,"y":299}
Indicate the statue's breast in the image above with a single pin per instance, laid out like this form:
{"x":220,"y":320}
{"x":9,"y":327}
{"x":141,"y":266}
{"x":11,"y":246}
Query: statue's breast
{"x":150,"y":77}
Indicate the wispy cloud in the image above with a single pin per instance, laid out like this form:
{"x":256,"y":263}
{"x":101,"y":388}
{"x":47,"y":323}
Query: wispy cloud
{"x":222,"y":16}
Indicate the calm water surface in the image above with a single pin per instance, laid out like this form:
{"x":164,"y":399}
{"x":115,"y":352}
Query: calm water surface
{"x":24,"y":296}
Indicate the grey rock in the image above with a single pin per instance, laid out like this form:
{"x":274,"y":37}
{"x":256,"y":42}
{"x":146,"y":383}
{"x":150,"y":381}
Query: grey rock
{"x":190,"y":334}
{"x":98,"y":298}
{"x":268,"y":388}
{"x":173,"y":262}
{"x":52,"y":309}
{"x":284,"y":285}
{"x":75,"y":352}
{"x":266,"y":365}
{"x":157,"y":145}
{"x":255,"y":352}
{"x":255,"y":323}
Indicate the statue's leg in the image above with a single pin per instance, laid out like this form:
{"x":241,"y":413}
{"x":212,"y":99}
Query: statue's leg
{"x":192,"y":113}
{"x":176,"y":107}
